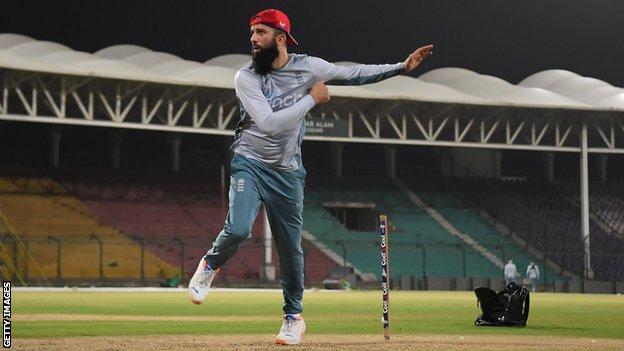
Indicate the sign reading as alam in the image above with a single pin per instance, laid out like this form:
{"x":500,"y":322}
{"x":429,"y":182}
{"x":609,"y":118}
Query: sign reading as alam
{"x":327,"y":127}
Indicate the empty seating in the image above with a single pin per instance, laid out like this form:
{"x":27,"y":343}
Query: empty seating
{"x":414,"y":233}
{"x":39,"y":212}
{"x":469,"y":221}
{"x":193,"y":214}
{"x":538,"y":213}
{"x":606,"y":200}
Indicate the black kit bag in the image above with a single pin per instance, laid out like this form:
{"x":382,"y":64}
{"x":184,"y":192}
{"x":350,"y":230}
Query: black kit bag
{"x":509,"y":307}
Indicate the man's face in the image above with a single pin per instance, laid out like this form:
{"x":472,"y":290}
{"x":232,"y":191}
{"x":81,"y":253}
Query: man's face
{"x":264,"y":48}
{"x":262,"y":37}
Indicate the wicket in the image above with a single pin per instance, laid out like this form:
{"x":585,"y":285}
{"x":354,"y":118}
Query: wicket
{"x":385,"y":274}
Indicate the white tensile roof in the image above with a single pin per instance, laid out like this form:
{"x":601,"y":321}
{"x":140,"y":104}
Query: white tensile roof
{"x":233,"y":61}
{"x":555,"y":88}
{"x":571,"y":85}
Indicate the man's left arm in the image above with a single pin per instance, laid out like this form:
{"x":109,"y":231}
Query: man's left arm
{"x":366,"y":74}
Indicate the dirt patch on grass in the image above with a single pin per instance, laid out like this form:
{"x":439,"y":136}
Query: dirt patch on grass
{"x":320,"y":342}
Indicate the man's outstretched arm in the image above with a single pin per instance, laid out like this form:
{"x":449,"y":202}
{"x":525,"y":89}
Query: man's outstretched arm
{"x":366,"y":74}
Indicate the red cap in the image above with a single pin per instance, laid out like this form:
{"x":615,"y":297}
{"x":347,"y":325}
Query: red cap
{"x":274,"y":19}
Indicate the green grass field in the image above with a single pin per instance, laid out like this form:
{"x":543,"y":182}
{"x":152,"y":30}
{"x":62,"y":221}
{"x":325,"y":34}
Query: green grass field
{"x":58,"y":314}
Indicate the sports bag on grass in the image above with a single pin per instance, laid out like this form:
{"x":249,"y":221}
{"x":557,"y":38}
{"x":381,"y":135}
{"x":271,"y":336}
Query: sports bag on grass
{"x":509,"y":307}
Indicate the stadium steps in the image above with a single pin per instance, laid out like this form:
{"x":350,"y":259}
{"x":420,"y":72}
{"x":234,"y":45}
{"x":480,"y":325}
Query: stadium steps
{"x":449,"y":227}
{"x":471,"y":223}
{"x":412,"y":229}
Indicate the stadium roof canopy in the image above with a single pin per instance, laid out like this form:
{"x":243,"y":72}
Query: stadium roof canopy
{"x":130,"y":86}
{"x":546,"y":89}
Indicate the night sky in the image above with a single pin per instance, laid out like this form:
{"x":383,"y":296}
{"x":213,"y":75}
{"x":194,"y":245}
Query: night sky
{"x":507,"y":38}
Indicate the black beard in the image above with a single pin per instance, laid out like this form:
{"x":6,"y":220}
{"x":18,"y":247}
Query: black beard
{"x":262,"y":60}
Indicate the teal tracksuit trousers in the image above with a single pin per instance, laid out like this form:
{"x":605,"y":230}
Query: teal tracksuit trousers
{"x":252,"y":183}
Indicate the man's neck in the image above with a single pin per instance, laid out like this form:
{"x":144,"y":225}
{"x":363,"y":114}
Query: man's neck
{"x":281,"y":60}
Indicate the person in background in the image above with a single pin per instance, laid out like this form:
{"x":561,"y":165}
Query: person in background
{"x":511,"y":273}
{"x":533,"y":274}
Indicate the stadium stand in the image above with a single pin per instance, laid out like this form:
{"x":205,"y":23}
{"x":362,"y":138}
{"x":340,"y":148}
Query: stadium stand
{"x":159,"y":212}
{"x":462,"y":216}
{"x":413,"y":231}
{"x":39,"y":211}
{"x":193,"y":214}
{"x":538,"y":213}
{"x":606,"y":200}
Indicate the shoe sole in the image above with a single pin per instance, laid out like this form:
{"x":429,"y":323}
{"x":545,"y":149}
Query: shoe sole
{"x":194,"y":300}
{"x":197,"y":302}
{"x":285,"y":342}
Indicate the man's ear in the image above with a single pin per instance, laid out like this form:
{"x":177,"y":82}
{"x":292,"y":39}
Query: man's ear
{"x":283,"y":38}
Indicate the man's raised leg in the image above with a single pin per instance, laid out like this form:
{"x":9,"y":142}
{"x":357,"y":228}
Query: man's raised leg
{"x":244,"y":204}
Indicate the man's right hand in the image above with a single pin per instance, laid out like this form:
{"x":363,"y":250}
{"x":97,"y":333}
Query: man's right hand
{"x":319,"y":93}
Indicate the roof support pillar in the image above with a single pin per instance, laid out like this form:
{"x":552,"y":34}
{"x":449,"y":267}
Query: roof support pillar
{"x":587,"y":270}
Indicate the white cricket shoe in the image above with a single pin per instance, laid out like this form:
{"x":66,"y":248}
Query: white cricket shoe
{"x":199,"y":286}
{"x":291,"y":332}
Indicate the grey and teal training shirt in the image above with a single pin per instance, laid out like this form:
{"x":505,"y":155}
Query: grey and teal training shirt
{"x":273,"y":106}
